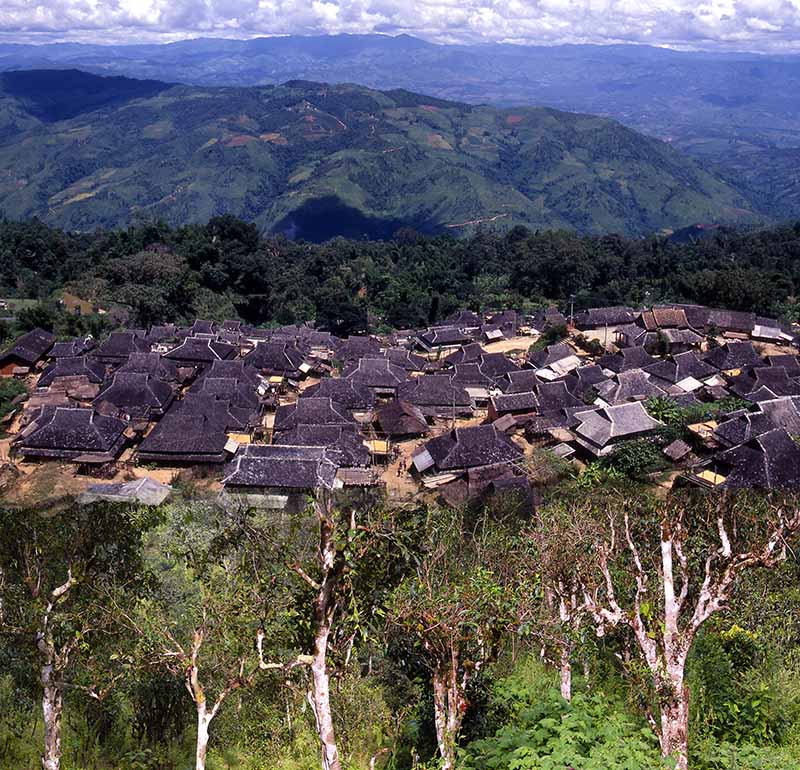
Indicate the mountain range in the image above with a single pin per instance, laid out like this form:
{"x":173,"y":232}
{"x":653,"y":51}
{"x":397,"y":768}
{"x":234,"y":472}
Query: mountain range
{"x":739,"y":112}
{"x":313,"y":160}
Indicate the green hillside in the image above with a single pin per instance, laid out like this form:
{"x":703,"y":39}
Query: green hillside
{"x":315,"y":160}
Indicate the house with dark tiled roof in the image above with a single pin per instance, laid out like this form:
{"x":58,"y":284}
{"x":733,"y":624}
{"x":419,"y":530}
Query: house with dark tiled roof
{"x":312,"y":411}
{"x":740,"y":426}
{"x":554,"y":396}
{"x":436,"y":396}
{"x":442,"y":338}
{"x":598,"y":317}
{"x":462,"y":449}
{"x":551,"y":354}
{"x":582,"y":381}
{"x":630,"y":385}
{"x":281,"y":477}
{"x":155,"y":366}
{"x":200,"y":352}
{"x":79,"y":366}
{"x":77,"y":346}
{"x":238,"y":393}
{"x":277,"y":359}
{"x":355,"y":347}
{"x":627,"y":358}
{"x":516,"y":404}
{"x":136,"y":395}
{"x":466,"y":354}
{"x":195,"y":431}
{"x":522,"y":381}
{"x":233,"y":370}
{"x":734,"y":356}
{"x":378,"y":374}
{"x":26,"y":352}
{"x":541,"y":320}
{"x":400,"y":419}
{"x":770,"y":460}
{"x":732,"y":321}
{"x":350,"y":393}
{"x":69,"y":434}
{"x":683,"y":372}
{"x":765,"y":383}
{"x":598,"y":430}
{"x":345,"y":443}
{"x":118,"y":346}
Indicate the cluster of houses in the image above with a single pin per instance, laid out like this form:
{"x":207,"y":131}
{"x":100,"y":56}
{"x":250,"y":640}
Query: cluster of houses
{"x":460,"y":409}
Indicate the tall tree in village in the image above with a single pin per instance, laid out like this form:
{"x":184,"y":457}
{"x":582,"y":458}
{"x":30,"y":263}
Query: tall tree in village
{"x":662,"y":568}
{"x":55,"y":572}
{"x":453,"y":610}
{"x":209,"y":619}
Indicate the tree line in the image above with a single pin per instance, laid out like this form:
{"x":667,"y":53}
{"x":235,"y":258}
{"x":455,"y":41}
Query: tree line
{"x":399,"y":637}
{"x":225,"y":268}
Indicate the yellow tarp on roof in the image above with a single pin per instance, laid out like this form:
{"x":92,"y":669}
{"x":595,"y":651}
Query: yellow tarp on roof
{"x":276,"y":379}
{"x":378,"y":446}
{"x":711,"y":477}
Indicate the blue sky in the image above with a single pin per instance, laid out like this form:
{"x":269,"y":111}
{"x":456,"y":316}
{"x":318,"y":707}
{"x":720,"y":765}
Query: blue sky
{"x":752,"y":25}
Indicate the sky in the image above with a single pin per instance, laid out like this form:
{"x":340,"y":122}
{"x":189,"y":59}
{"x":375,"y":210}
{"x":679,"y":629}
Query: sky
{"x":745,"y":25}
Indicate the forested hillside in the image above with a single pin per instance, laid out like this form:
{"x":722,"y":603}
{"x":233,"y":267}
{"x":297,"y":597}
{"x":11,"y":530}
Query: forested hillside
{"x":316,"y":161}
{"x":225,"y":269}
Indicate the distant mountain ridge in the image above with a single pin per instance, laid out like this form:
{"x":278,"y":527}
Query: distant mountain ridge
{"x":316,"y":160}
{"x":738,"y":111}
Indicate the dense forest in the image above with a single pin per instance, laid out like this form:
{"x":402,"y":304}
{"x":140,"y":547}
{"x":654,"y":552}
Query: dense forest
{"x":226,"y":269}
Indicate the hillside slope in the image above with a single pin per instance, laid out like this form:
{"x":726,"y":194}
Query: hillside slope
{"x":315,"y":160}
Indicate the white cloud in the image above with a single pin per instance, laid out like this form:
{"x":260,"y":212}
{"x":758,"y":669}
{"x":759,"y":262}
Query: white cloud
{"x":739,"y":24}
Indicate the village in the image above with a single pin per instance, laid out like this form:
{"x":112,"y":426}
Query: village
{"x":461,"y":411}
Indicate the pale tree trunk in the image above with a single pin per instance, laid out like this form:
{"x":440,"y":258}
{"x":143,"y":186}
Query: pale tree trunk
{"x":566,"y":675}
{"x":321,"y":701}
{"x":203,"y":722}
{"x":449,"y":705}
{"x":674,"y":705}
{"x":52,"y":707}
{"x":331,"y":565}
{"x":446,"y":750}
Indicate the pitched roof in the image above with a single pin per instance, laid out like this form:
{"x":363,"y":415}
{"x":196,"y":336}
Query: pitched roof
{"x":77,"y":366}
{"x":376,"y":373}
{"x":433,"y":390}
{"x":287,"y":467}
{"x":768,"y":461}
{"x":239,"y":393}
{"x":30,"y":347}
{"x":631,"y":385}
{"x":551,"y":354}
{"x":71,"y":348}
{"x":734,"y":355}
{"x":153,"y":364}
{"x":554,"y":396}
{"x":347,"y":392}
{"x":312,"y":411}
{"x":198,"y":350}
{"x":136,"y":394}
{"x":627,"y":358}
{"x":276,"y":358}
{"x":741,"y":426}
{"x":472,"y":351}
{"x":66,"y":432}
{"x":600,"y":426}
{"x":344,"y":442}
{"x":119,"y":345}
{"x":470,"y":447}
{"x":400,"y":418}
{"x":680,"y":366}
{"x":604,"y":316}
{"x":355,"y":347}
{"x":507,"y":403}
{"x":520,"y":381}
